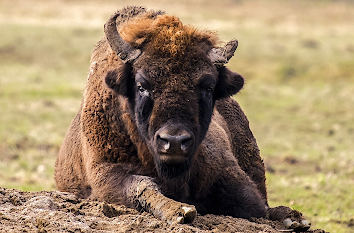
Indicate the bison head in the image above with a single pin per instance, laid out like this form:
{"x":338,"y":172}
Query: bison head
{"x":172,"y":76}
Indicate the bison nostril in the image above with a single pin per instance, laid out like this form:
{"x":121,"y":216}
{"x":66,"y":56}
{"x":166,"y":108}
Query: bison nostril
{"x":166,"y":146}
{"x":186,"y":143}
{"x":164,"y":143}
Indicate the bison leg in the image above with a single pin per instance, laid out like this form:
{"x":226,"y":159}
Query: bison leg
{"x":237,"y":195}
{"x":112,"y":184}
{"x":162,"y":207}
{"x":292,"y":219}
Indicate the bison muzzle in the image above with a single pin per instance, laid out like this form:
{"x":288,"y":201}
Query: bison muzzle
{"x":158,"y":130}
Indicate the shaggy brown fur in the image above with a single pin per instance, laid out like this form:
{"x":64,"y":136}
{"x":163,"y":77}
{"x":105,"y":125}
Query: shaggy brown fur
{"x":109,"y":152}
{"x":164,"y":35}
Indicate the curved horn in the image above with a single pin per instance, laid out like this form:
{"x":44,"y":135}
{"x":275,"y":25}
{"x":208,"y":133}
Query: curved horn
{"x":123,"y":49}
{"x":220,"y":56}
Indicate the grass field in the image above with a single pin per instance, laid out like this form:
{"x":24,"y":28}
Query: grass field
{"x":297,"y":58}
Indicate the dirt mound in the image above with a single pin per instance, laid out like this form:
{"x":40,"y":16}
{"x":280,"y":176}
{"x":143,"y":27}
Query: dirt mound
{"x":63,"y":212}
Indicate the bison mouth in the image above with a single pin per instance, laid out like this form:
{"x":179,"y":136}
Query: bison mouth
{"x":172,"y":159}
{"x":171,"y":165}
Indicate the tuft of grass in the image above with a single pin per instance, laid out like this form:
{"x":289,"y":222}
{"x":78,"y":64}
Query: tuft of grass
{"x":297,"y":58}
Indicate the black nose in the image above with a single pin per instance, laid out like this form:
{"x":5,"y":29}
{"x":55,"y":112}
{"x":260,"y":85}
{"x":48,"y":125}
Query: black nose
{"x":174,"y":141}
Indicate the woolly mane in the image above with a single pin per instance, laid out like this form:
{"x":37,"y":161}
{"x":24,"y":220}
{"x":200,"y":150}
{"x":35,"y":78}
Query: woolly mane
{"x":164,"y":35}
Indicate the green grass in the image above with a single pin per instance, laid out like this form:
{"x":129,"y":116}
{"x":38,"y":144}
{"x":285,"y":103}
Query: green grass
{"x":43,"y":70}
{"x":297,"y":58}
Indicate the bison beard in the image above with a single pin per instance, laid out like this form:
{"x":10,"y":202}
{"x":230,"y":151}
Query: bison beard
{"x":157,"y":121}
{"x":168,"y":171}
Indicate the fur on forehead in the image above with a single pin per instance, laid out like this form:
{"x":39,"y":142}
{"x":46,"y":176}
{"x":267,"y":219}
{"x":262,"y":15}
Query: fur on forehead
{"x":166,"y":35}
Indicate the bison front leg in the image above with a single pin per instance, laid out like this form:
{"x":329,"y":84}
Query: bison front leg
{"x":112,"y":184}
{"x":153,"y":201}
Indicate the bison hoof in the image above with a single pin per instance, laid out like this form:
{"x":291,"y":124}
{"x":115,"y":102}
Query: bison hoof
{"x":185,"y":214}
{"x":292,"y":219}
{"x":189,"y":213}
{"x":302,"y":225}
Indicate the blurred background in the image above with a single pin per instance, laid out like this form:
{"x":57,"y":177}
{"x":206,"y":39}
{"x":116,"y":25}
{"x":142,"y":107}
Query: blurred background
{"x":297,"y":58}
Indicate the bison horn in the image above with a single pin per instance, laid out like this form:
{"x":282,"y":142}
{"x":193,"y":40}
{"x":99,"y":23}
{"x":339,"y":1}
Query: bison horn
{"x":220,"y":56}
{"x":123,"y":49}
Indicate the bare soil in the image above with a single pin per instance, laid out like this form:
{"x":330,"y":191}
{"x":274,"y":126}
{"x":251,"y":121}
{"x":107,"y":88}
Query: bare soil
{"x":62,"y":212}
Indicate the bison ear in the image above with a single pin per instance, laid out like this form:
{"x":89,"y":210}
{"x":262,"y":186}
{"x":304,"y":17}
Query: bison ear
{"x":229,"y":83}
{"x":119,"y":80}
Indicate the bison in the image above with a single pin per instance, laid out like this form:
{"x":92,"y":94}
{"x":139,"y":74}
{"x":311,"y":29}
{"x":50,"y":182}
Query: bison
{"x":157,"y":129}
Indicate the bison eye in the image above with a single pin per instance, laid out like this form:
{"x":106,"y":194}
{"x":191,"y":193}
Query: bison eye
{"x":207,"y":84}
{"x":207,"y":93}
{"x":142,"y":90}
{"x":209,"y":89}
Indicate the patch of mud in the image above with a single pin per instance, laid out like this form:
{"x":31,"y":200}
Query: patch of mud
{"x":63,"y":212}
